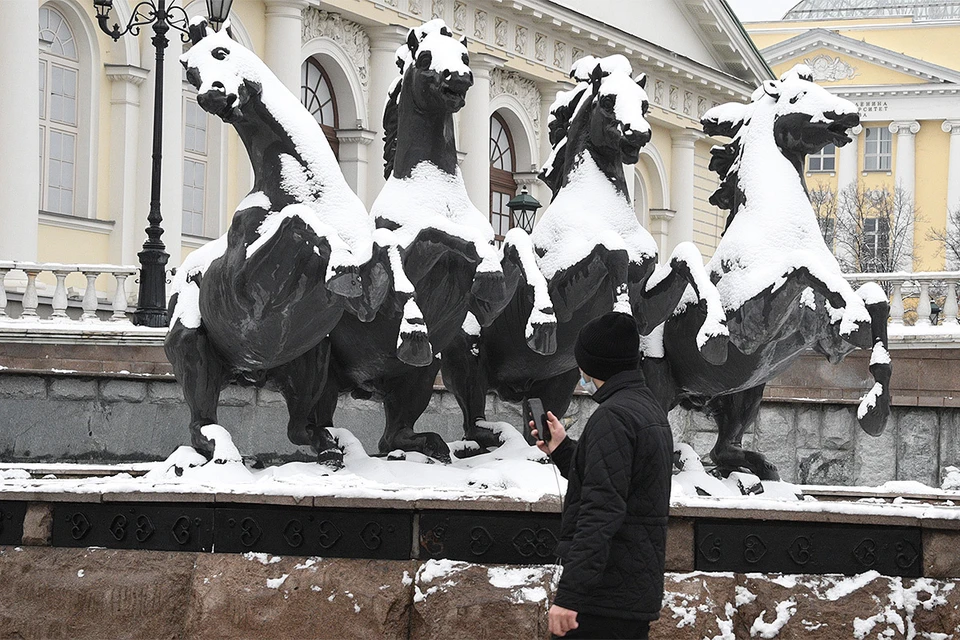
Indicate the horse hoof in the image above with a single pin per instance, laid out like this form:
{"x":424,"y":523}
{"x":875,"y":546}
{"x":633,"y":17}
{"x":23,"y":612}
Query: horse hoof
{"x":542,"y":338}
{"x":486,"y":438}
{"x":873,"y":422}
{"x":346,"y":283}
{"x":415,"y":349}
{"x":332,"y":457}
{"x":489,"y":286}
{"x":252,"y":462}
{"x":714,"y":350}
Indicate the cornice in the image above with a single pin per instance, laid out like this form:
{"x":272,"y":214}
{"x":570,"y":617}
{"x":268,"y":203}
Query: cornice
{"x":76,"y":223}
{"x":125,"y":73}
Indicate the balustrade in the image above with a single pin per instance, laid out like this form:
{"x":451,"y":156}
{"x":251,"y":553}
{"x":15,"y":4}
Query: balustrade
{"x":60,"y":301}
{"x":925,"y":288}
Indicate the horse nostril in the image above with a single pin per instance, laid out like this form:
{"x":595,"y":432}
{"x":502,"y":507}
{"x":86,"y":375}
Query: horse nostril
{"x":218,"y":85}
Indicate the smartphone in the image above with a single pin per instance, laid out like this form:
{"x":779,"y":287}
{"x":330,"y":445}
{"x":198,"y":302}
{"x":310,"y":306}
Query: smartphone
{"x":533,"y":412}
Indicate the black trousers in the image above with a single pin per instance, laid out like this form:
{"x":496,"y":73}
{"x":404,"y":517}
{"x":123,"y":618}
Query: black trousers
{"x":604,"y":628}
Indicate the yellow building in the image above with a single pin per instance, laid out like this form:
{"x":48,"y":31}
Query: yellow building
{"x":96,"y":100}
{"x":898,"y":62}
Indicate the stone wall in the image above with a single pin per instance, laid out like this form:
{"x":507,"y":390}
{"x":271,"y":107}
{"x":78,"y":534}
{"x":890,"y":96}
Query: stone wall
{"x":98,"y":593}
{"x":85,"y":418}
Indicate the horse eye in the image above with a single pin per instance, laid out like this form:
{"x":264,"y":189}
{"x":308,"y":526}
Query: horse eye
{"x":220,"y":53}
{"x":797,"y":97}
{"x":466,"y":59}
{"x":423,"y":62}
{"x":645,"y":107}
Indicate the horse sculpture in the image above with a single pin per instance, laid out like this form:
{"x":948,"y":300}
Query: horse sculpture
{"x":781,"y":287}
{"x":447,"y":248}
{"x":591,"y":249}
{"x":256,"y":304}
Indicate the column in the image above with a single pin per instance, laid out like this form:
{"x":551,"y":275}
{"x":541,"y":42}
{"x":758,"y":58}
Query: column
{"x":354,"y":147}
{"x":124,"y":148}
{"x":660,"y":230}
{"x":682,"y":165}
{"x":475,"y":131}
{"x":281,"y":51}
{"x":953,"y":181}
{"x":847,"y":163}
{"x":548,"y":95}
{"x":19,"y":104}
{"x":382,"y":73}
{"x":906,"y":173}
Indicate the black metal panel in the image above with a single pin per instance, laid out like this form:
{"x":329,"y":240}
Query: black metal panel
{"x":158,"y":527}
{"x":381,"y":534}
{"x":807,"y":547}
{"x":485,"y":536}
{"x":11,"y":522}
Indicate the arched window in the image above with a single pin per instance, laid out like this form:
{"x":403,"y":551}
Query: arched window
{"x":59,"y":113}
{"x":502,"y":185}
{"x":316,"y":94}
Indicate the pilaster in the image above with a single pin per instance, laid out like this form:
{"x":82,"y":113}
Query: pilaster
{"x":682,"y":168}
{"x":905,"y":175}
{"x":953,"y":182}
{"x":475,"y":136}
{"x":283,"y":25}
{"x":354,"y":147}
{"x":384,"y":42}
{"x":848,"y":158}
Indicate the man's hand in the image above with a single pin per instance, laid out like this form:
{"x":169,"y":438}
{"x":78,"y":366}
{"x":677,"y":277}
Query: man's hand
{"x":557,"y":434}
{"x":561,"y":620}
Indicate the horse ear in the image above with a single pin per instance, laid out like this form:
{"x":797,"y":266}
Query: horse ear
{"x":596,"y":76}
{"x":198,"y":31}
{"x":642,"y":80}
{"x":446,"y":32}
{"x":772,"y":89}
{"x":413,"y":43}
{"x":463,"y":41}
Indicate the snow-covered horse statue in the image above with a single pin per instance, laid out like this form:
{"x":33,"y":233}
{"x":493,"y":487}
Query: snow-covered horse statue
{"x":590,"y":247}
{"x":256,"y":304}
{"x":781,"y":288}
{"x":447,"y":247}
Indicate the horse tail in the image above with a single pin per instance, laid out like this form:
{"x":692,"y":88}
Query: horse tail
{"x":390,"y":125}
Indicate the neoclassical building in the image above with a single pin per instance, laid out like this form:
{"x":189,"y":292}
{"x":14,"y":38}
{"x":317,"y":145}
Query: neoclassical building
{"x":897,"y":61}
{"x":88,"y":114}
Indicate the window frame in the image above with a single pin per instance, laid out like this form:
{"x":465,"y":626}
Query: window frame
{"x":329,"y":130}
{"x":502,"y":182}
{"x":883,"y":160}
{"x":821,"y":158}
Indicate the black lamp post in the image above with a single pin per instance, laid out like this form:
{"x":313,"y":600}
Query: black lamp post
{"x":163,"y":15}
{"x":523,"y":207}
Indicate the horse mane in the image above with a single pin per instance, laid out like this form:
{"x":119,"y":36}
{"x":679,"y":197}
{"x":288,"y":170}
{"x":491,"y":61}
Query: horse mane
{"x":391,"y":122}
{"x":725,"y":161}
{"x":561,"y":117}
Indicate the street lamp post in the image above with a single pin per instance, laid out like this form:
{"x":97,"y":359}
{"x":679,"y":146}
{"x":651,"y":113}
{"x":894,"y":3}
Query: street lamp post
{"x":162,"y":15}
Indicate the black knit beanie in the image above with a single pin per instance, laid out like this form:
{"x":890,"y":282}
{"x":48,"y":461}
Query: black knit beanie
{"x":608,"y":345}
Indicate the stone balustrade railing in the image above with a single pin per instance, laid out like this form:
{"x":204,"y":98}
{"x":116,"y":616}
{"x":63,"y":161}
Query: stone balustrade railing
{"x":59,"y":301}
{"x":920,"y":286}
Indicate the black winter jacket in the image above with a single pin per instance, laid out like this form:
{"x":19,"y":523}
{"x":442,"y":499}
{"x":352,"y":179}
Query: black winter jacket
{"x":614,"y":528}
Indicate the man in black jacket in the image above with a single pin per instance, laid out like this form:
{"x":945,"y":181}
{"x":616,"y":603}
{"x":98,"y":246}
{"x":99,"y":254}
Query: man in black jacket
{"x":614,"y":528}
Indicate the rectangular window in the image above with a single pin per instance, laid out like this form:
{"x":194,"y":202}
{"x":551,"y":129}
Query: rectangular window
{"x":824,"y":160}
{"x":60,"y":164}
{"x":876,"y":240}
{"x":43,"y":88}
{"x":63,"y":95}
{"x":878,"y":149}
{"x":194,"y":167}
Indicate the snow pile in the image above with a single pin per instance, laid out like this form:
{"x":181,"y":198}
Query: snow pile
{"x":526,"y":584}
{"x":693,"y":481}
{"x":440,"y":572}
{"x":951,"y":479}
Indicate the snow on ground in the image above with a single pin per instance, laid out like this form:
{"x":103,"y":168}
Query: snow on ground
{"x":514,"y":471}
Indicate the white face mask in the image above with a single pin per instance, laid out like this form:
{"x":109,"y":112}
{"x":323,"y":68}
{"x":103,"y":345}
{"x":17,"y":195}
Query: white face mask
{"x":588,"y":385}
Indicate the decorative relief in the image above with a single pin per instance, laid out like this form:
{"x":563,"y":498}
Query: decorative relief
{"x":701,"y":106}
{"x":658,"y":92}
{"x":540,"y":46}
{"x":480,"y":24}
{"x":349,"y":35}
{"x":674,"y":97}
{"x":688,"y":103}
{"x":577,"y":54}
{"x":520,"y":44}
{"x":524,"y":90}
{"x":436,"y":9}
{"x":392,"y":3}
{"x":559,"y":54}
{"x":416,"y":6}
{"x":460,"y":16}
{"x":827,"y":69}
{"x":500,"y":31}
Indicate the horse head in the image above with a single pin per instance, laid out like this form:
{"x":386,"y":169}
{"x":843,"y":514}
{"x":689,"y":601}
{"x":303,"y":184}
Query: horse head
{"x":223,"y":71}
{"x":435,"y":67}
{"x":605,"y":114}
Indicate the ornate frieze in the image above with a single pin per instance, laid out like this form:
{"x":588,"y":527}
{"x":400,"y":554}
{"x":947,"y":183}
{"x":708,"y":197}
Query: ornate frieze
{"x":674,"y":98}
{"x":415,"y":6}
{"x":524,"y":90}
{"x":520,"y":44}
{"x":500,"y":32}
{"x":658,"y":90}
{"x":349,"y":35}
{"x":687,"y":103}
{"x":540,"y":47}
{"x":460,"y":16}
{"x":480,"y":24}
{"x":576,"y":54}
{"x":559,"y":54}
{"x":827,"y":69}
{"x":436,"y":9}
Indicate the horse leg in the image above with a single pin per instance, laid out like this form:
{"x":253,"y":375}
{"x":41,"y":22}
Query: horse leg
{"x":556,"y":392}
{"x":466,"y":379}
{"x":302,"y":382}
{"x":541,"y":329}
{"x":875,"y":406}
{"x":734,"y":413}
{"x":201,"y":373}
{"x":405,"y":400}
{"x":413,"y":342}
{"x":662,"y":292}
